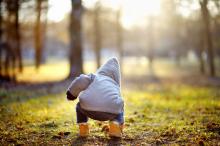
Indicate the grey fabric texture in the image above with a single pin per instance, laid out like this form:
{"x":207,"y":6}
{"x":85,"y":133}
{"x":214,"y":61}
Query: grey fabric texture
{"x":111,"y":69}
{"x":80,"y":83}
{"x":103,"y":94}
{"x":100,"y":92}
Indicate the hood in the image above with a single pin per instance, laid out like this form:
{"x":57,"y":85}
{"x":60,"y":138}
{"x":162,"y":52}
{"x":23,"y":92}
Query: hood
{"x":111,"y":69}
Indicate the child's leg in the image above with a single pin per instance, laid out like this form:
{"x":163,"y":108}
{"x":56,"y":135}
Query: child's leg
{"x":116,"y":126}
{"x":120,"y":118}
{"x":82,"y":121}
{"x":81,"y":118}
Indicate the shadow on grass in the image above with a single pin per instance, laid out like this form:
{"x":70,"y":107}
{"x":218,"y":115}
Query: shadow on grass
{"x":114,"y":142}
{"x":79,"y":141}
{"x":24,"y":91}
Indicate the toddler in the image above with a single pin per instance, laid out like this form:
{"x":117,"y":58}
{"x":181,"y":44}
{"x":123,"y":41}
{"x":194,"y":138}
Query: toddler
{"x":99,"y":98}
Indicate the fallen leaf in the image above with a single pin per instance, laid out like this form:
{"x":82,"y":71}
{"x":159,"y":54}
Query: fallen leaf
{"x":19,"y":127}
{"x":158,"y":142}
{"x":61,"y":133}
{"x":213,"y":127}
{"x":66,"y":133}
{"x":131,"y":120}
{"x":201,"y":143}
{"x":56,"y":137}
{"x":105,"y":128}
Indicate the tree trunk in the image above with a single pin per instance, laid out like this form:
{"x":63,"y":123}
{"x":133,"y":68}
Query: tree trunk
{"x":97,"y":31}
{"x":201,"y":61}
{"x":12,"y":47}
{"x":17,"y":35}
{"x":208,"y":37}
{"x":38,"y":35}
{"x":75,"y":58}
{"x":200,"y":47}
{"x":12,"y":59}
{"x":151,"y":43}
{"x":1,"y":41}
{"x":120,"y":39}
{"x":44,"y":30}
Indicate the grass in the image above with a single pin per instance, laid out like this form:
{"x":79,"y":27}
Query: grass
{"x":156,"y":112}
{"x":46,"y":72}
{"x":171,"y":115}
{"x":55,"y":71}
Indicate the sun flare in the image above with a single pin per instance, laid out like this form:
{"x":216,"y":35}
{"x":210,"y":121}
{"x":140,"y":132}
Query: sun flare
{"x":133,"y":12}
{"x":58,"y":9}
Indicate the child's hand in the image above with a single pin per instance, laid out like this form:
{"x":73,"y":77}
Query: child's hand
{"x":69,"y":96}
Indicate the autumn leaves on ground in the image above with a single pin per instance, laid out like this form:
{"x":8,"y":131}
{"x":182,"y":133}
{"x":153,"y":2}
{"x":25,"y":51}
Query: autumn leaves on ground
{"x":160,"y":109}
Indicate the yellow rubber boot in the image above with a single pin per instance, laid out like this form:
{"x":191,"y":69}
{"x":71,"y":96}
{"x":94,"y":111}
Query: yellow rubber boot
{"x":83,"y":130}
{"x":115,"y":130}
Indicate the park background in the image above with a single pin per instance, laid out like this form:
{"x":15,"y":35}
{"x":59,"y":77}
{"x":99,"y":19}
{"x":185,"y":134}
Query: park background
{"x":169,"y":52}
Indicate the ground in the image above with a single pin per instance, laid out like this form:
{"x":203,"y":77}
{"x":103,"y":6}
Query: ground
{"x":158,"y":110}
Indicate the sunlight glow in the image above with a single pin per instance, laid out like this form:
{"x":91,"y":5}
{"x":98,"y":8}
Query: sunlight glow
{"x":187,"y":8}
{"x":58,"y":9}
{"x":134,"y":13}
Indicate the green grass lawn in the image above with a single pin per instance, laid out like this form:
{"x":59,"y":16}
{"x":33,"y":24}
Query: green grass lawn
{"x":159,"y":114}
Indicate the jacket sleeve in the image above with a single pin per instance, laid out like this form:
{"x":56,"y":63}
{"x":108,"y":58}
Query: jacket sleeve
{"x":79,"y":84}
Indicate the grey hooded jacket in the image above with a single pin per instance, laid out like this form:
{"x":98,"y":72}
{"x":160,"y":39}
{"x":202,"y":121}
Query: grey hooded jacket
{"x":100,"y":91}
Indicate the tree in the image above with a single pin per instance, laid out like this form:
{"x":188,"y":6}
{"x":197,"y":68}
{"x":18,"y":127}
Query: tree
{"x":75,"y":58}
{"x":119,"y":38}
{"x":17,"y":36}
{"x":39,"y":31}
{"x":97,"y":32}
{"x":196,"y":40}
{"x":151,"y":41}
{"x":206,"y":38}
{"x":174,"y":30}
{"x":100,"y":29}
{"x":12,"y":47}
{"x":207,"y":35}
{"x":216,"y":29}
{"x":1,"y":41}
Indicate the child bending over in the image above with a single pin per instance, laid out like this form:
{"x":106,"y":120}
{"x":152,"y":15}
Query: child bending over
{"x":99,"y":98}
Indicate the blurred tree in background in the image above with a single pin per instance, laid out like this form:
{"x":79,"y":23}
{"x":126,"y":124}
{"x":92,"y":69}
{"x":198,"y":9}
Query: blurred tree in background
{"x":11,"y":52}
{"x":10,"y":41}
{"x":119,"y":35}
{"x":40,"y":30}
{"x":75,"y":57}
{"x":208,"y":35}
{"x":98,"y":31}
{"x":151,"y":41}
